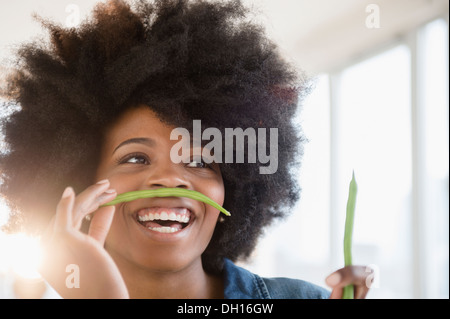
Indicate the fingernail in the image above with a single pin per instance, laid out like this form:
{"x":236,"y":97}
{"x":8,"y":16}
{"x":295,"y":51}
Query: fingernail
{"x":103,"y":181}
{"x":333,"y":279}
{"x":110,"y":191}
{"x":67,"y":192}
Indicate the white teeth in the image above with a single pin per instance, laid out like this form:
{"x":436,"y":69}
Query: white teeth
{"x":166,"y":230}
{"x":164,"y":216}
{"x":182,"y":218}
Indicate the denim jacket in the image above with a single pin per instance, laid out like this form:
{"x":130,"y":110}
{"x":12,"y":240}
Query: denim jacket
{"x":242,"y":284}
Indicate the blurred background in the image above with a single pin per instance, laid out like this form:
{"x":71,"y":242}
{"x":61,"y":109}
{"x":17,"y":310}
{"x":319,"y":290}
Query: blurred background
{"x":380,"y":108}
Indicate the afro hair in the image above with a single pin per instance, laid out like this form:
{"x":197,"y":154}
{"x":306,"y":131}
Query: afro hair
{"x":185,"y":60}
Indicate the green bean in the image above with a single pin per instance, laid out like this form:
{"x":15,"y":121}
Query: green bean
{"x":349,"y":290}
{"x":166,"y":192}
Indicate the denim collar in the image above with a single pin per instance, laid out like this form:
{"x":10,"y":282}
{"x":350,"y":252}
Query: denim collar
{"x":242,"y":284}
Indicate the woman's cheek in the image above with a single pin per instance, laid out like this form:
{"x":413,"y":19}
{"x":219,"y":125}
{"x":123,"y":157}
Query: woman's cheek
{"x":216,"y":190}
{"x":123,"y":182}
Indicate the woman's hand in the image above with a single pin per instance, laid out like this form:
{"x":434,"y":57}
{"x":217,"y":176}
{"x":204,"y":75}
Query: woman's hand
{"x":359,"y":276}
{"x":75,"y":264}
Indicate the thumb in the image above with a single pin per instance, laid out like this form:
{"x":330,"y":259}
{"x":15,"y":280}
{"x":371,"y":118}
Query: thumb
{"x":101,"y":223}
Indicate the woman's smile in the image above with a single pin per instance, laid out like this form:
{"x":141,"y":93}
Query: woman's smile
{"x":165,"y":223}
{"x":165,"y":219}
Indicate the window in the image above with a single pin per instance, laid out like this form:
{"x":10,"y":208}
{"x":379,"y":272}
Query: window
{"x":386,"y":118}
{"x":432,"y":161}
{"x":373,"y":138}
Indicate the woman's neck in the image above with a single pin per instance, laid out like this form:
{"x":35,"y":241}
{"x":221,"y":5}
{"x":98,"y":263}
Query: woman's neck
{"x":191,"y":282}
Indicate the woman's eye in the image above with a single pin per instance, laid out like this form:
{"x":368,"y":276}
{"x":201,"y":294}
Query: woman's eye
{"x":197,"y":164}
{"x":135,"y":159}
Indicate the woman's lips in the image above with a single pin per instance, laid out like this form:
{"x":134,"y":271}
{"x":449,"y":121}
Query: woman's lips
{"x":164,"y":219}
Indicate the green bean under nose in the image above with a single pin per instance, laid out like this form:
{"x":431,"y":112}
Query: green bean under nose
{"x":166,"y":192}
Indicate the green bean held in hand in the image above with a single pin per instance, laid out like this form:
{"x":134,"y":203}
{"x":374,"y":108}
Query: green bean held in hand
{"x":350,"y":216}
{"x":166,"y":192}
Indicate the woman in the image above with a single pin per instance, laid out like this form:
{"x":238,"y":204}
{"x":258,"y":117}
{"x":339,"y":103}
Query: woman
{"x":97,"y":108}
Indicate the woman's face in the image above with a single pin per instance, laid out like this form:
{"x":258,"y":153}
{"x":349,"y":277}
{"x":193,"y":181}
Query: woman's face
{"x":160,"y":234}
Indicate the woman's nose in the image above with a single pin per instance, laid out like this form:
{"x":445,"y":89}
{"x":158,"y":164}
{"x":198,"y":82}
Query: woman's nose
{"x":168,"y":176}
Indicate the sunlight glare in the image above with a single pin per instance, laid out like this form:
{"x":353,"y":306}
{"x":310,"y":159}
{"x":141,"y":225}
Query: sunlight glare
{"x":20,"y":254}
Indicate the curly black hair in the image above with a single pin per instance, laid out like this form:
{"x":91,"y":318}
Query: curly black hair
{"x":184,"y":59}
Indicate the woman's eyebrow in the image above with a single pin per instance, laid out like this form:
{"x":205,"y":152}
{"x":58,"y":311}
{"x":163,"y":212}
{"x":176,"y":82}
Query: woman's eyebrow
{"x":138,"y":140}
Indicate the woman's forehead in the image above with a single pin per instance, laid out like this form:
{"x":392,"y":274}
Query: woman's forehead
{"x":137,"y":122}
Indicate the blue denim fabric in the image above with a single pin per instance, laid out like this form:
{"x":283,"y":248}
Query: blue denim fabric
{"x":242,"y":284}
